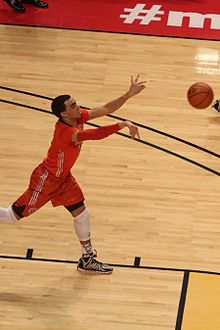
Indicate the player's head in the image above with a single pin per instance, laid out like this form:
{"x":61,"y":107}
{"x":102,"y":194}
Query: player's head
{"x":65,"y":106}
{"x":58,"y":105}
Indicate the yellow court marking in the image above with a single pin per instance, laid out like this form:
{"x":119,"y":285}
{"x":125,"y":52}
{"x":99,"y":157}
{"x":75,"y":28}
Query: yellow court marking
{"x":202,"y":303}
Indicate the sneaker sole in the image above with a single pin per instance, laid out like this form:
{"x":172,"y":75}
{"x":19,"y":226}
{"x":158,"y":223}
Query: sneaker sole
{"x":94,"y":272}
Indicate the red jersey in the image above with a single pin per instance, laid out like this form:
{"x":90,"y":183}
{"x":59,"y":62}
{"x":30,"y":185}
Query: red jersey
{"x":63,"y":153}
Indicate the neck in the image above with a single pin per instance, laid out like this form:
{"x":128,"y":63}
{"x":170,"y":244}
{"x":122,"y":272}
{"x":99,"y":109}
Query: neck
{"x":71,"y":122}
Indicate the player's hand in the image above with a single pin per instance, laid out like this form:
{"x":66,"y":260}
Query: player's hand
{"x":133,"y":129}
{"x":136,"y":86}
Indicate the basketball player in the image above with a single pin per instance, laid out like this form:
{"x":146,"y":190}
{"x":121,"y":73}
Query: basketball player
{"x":52,"y":180}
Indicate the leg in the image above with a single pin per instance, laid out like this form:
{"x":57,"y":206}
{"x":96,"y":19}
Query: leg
{"x":21,"y":207}
{"x":82,"y":226}
{"x":71,"y":197}
{"x":37,"y":194}
{"x":87,"y":263}
{"x":7,"y":215}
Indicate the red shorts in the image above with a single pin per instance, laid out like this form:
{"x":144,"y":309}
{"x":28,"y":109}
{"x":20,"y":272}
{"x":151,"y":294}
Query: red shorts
{"x":44,"y":187}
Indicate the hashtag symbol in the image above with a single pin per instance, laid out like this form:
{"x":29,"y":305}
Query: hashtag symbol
{"x":149,"y":15}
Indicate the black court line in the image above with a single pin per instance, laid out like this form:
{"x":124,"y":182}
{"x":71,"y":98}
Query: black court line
{"x":182,"y":301}
{"x":110,"y":32}
{"x":29,"y":253}
{"x":135,"y":265}
{"x":137,"y":261}
{"x":26,"y":93}
{"x":171,"y":136}
{"x":206,"y":168}
{"x":121,"y":118}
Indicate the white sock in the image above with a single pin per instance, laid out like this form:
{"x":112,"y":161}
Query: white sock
{"x":82,"y":229}
{"x":86,"y":249}
{"x":7,"y":215}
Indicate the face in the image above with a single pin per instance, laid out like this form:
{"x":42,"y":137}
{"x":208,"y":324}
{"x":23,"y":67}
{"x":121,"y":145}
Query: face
{"x":72,"y":109}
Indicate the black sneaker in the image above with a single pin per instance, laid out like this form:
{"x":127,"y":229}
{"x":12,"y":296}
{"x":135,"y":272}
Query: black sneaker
{"x":37,"y":3}
{"x":216,"y":105}
{"x":91,"y":265}
{"x":16,"y":5}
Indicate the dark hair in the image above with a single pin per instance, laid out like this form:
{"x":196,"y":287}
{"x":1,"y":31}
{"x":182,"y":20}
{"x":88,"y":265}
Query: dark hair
{"x":58,"y":105}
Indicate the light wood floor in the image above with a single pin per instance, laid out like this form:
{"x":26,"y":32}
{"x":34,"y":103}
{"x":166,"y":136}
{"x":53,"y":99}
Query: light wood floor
{"x":142,"y":202}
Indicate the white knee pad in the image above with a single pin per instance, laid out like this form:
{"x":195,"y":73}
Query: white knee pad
{"x":82,"y":226}
{"x":7,"y":215}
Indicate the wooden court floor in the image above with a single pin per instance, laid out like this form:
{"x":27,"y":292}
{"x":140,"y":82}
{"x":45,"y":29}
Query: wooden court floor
{"x":143,"y":202}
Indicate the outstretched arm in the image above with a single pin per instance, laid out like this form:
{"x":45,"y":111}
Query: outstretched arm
{"x":135,"y":88}
{"x":104,"y":131}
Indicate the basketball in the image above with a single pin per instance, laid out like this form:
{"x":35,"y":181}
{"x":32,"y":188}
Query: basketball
{"x":200,"y":95}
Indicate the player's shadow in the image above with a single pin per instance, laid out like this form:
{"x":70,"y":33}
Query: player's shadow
{"x":215,"y":120}
{"x":48,"y":308}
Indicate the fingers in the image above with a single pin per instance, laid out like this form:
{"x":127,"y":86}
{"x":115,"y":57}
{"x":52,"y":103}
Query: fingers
{"x":133,"y":130}
{"x":136,"y":83}
{"x":136,"y":79}
{"x":142,"y":82}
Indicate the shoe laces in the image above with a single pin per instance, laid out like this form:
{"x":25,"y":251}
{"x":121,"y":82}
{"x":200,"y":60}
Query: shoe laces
{"x":92,"y":263}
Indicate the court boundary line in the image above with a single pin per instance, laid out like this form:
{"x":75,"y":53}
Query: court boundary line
{"x":182,"y":302}
{"x":136,"y":265}
{"x":29,"y":257}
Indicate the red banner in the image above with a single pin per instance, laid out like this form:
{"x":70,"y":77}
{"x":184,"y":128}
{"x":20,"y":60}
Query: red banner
{"x":190,"y":19}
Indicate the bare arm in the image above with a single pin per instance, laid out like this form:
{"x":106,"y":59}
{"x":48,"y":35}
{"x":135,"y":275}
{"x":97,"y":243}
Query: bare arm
{"x":135,"y":88}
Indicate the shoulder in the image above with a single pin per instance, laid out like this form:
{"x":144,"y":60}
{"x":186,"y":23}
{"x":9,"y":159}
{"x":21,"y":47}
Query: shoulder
{"x":64,"y":131}
{"x":85,"y":115}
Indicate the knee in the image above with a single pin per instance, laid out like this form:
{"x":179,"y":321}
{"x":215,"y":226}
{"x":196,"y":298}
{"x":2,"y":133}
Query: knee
{"x":76,"y":209}
{"x":82,"y":216}
{"x":7,"y":215}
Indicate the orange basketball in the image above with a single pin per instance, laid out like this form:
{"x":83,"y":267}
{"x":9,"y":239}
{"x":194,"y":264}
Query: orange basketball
{"x":200,"y":95}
